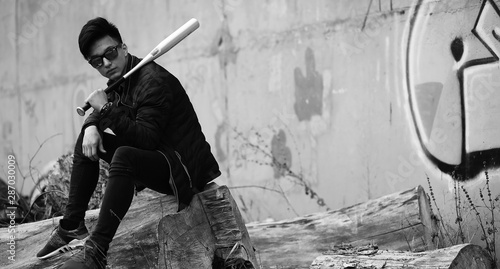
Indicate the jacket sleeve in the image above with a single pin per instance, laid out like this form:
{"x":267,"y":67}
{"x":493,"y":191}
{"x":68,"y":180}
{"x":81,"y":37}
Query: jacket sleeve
{"x":92,"y":119}
{"x":95,"y":117}
{"x":143,"y":131}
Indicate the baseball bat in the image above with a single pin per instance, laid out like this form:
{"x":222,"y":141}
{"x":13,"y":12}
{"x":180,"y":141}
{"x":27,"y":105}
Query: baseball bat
{"x":164,"y":46}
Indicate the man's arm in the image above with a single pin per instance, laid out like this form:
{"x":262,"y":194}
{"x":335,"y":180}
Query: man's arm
{"x":96,"y":99}
{"x":153,"y":107}
{"x":92,"y":142}
{"x":92,"y":119}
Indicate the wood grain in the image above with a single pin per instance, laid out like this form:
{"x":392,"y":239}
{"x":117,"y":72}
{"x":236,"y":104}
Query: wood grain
{"x":210,"y":228}
{"x":465,"y":256}
{"x":399,"y":221}
{"x":135,"y":244}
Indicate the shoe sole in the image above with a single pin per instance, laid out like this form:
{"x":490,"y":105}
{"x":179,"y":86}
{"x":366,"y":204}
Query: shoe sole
{"x":74,"y":244}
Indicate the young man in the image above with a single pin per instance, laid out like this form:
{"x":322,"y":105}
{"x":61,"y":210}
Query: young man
{"x":158,"y":144}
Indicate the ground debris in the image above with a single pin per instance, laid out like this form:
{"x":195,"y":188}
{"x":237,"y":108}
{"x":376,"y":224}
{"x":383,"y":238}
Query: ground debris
{"x":463,"y":256}
{"x":350,"y":250}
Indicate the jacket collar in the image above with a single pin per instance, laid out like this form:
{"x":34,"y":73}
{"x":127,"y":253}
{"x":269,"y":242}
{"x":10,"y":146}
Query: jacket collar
{"x":131,"y":62}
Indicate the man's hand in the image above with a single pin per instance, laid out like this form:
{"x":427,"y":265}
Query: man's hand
{"x":97,"y":99}
{"x":92,"y":142}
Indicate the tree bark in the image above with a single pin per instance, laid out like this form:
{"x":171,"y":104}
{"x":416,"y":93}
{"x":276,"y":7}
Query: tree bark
{"x":208,"y":234}
{"x":400,"y":221}
{"x":154,"y":235}
{"x":465,"y":256}
{"x":210,"y":227}
{"x":135,"y":244}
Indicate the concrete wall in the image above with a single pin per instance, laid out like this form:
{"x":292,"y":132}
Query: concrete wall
{"x":358,"y":98}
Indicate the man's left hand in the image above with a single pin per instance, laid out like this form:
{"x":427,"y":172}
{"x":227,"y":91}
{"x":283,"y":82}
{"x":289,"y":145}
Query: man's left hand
{"x":97,"y":99}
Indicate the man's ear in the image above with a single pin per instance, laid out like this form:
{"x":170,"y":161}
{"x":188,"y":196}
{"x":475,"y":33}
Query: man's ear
{"x":125,"y":49}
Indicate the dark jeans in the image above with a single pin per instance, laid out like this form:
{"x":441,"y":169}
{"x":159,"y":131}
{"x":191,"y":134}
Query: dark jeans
{"x":128,"y":166}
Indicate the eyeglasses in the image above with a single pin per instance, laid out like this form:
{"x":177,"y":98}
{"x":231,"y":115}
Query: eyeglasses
{"x":110,"y":54}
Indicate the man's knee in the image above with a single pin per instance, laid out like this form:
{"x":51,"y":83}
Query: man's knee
{"x":124,"y":158}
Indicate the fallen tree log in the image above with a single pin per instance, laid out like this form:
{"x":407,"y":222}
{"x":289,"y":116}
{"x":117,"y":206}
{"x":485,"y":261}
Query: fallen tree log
{"x":465,"y":256}
{"x":208,"y":234}
{"x":400,"y":221}
{"x":136,"y":243}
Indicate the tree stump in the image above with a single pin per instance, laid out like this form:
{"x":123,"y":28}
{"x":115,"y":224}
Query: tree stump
{"x":210,"y":233}
{"x":465,"y":256}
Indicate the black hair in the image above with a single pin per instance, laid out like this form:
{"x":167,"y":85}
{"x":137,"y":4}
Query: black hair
{"x":94,"y":30}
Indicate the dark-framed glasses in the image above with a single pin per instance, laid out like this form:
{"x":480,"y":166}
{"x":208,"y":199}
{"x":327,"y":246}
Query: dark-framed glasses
{"x":110,"y":54}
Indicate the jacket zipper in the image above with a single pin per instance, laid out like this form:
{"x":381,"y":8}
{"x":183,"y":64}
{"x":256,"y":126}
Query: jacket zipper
{"x":171,"y":181}
{"x":122,"y":102}
{"x":185,"y":169}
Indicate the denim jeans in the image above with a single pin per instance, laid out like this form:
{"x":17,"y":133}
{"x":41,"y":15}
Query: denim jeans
{"x":128,"y":166}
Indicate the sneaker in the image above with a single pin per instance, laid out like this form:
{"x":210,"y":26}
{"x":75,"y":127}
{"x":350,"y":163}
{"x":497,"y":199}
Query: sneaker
{"x":90,"y":257}
{"x":62,"y":241}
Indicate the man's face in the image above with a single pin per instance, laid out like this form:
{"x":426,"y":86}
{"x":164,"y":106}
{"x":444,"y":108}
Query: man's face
{"x":111,"y":69}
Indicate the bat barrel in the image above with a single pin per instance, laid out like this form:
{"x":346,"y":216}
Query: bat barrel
{"x":168,"y":43}
{"x":174,"y":38}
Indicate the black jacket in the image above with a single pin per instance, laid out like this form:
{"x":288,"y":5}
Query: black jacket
{"x":152,"y":111}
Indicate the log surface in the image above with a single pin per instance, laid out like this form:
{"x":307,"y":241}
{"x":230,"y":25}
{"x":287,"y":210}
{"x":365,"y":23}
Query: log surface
{"x":400,"y":221}
{"x":135,"y":244}
{"x":210,"y":229}
{"x":212,"y":224}
{"x":396,"y":222}
{"x":465,"y":256}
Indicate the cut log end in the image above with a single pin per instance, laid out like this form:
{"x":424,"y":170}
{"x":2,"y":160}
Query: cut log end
{"x":210,"y":233}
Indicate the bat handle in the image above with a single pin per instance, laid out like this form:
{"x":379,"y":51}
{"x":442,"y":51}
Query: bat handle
{"x":81,"y":110}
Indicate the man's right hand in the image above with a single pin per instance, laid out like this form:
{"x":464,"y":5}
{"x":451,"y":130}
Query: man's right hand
{"x":92,"y":142}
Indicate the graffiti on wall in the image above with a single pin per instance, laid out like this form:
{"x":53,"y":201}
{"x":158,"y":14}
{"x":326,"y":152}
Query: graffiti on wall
{"x":453,"y":84}
{"x":308,"y":89}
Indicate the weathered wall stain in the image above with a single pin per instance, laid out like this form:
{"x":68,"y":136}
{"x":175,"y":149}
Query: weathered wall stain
{"x":30,"y":106}
{"x":6,"y":129}
{"x":196,"y":79}
{"x":81,"y":90}
{"x":220,"y":152}
{"x":308,"y":89}
{"x":281,"y":153}
{"x":223,"y":46}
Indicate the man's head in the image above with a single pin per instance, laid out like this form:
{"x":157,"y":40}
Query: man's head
{"x":101,"y":45}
